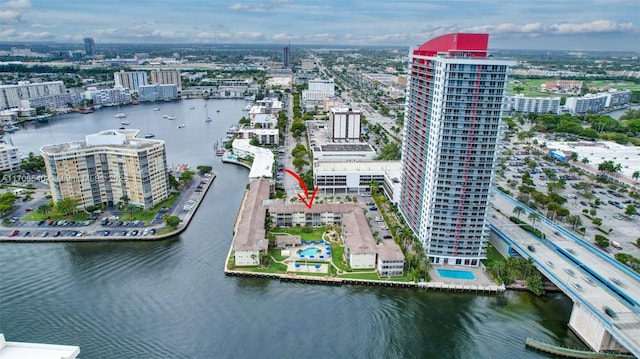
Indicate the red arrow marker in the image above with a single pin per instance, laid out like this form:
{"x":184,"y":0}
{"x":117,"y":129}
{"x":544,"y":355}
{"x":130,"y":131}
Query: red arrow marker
{"x":308,"y":201}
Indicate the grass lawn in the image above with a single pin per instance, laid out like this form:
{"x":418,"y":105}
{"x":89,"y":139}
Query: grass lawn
{"x":337,"y":255}
{"x":273,"y":268}
{"x":147,"y":215}
{"x":54,"y":216}
{"x":277,"y":254}
{"x":314,"y":235}
{"x":366,"y":276}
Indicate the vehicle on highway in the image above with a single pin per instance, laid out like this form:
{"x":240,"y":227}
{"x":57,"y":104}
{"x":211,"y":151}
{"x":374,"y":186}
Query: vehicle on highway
{"x":531,"y":248}
{"x":610,"y":312}
{"x":373,"y":208}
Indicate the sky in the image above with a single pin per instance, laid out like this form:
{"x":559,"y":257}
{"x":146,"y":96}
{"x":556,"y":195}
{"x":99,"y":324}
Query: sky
{"x":511,"y":24}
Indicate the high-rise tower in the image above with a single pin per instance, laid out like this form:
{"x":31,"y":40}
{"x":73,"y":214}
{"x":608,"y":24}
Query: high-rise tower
{"x":451,"y":139}
{"x":285,"y":56}
{"x":89,"y":47}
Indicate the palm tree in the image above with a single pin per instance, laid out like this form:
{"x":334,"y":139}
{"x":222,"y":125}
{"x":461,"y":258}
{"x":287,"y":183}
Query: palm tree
{"x":518,"y":210}
{"x":585,"y":160}
{"x":534,"y":216}
{"x":635,"y":176}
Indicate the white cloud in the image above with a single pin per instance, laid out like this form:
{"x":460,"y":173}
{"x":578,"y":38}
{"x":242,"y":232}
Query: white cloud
{"x":10,"y":17}
{"x":597,"y":26}
{"x":16,"y":4}
{"x":260,"y":6}
{"x":43,"y":26}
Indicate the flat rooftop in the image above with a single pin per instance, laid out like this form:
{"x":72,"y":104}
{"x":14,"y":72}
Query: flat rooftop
{"x":132,"y":142}
{"x":598,"y":152}
{"x":19,"y":350}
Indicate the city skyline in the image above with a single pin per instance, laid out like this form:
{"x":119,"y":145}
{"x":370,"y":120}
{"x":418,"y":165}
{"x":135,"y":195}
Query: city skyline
{"x":545,"y":25}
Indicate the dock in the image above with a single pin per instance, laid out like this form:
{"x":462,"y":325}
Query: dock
{"x":572,"y":353}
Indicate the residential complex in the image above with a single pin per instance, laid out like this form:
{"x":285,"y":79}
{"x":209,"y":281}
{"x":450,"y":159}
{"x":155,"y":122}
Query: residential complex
{"x":107,"y":167}
{"x":166,"y":77}
{"x":10,"y":95}
{"x":130,"y":79}
{"x":522,"y":104}
{"x":319,"y":89}
{"x":451,"y":140}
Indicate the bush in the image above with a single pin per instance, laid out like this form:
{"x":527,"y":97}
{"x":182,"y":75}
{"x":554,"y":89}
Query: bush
{"x":602,"y":241}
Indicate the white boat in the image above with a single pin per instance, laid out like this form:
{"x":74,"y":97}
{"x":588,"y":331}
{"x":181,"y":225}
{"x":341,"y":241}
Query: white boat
{"x":149,"y":135}
{"x":171,"y":117}
{"x":156,"y":109}
{"x":125,"y":123}
{"x":208,"y":119}
{"x":182,"y":126}
{"x":192,"y":108}
{"x":165,"y":116}
{"x":121,"y":115}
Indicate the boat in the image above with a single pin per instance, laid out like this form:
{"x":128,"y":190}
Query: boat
{"x":220,"y":153}
{"x":192,"y":108}
{"x":165,"y":116}
{"x":123,"y":128}
{"x":149,"y":135}
{"x":11,"y":128}
{"x":125,"y":123}
{"x":217,"y":110}
{"x":182,"y":126}
{"x":155,"y":109}
{"x":171,"y":117}
{"x":208,"y":119}
{"x":86,"y":110}
{"x":206,"y":111}
{"x":121,"y":115}
{"x":134,"y":102}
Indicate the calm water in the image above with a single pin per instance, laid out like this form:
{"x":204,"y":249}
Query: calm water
{"x":170,"y":299}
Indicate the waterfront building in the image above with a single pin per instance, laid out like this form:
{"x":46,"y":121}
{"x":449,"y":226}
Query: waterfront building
{"x":108,"y":96}
{"x":265,"y":106}
{"x":617,"y":98}
{"x":249,"y":239}
{"x":166,"y":77}
{"x":10,"y":95}
{"x":157,"y":92}
{"x":130,"y":79}
{"x":263,"y":158}
{"x":9,"y":158}
{"x":523,"y":104}
{"x":390,"y":259}
{"x":360,"y":248}
{"x":344,"y":124}
{"x":89,"y":47}
{"x":589,"y":103}
{"x":451,"y":141}
{"x":56,"y":102}
{"x":107,"y":166}
{"x":264,"y":120}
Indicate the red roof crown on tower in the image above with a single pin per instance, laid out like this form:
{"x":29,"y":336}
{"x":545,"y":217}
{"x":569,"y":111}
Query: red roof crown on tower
{"x":456,"y":45}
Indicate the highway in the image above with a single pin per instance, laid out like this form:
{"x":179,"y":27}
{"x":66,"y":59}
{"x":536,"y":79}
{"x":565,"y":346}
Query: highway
{"x":585,"y":275}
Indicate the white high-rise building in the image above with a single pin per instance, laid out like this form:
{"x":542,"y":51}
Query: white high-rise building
{"x":450,"y":148}
{"x":344,"y":124}
{"x":319,"y":89}
{"x":131,"y":80}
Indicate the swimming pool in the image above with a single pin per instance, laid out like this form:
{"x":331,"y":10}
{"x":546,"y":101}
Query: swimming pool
{"x":309,"y":251}
{"x":456,"y":274}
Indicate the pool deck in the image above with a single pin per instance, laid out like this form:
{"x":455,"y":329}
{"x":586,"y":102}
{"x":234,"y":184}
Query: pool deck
{"x":307,"y":268}
{"x":481,"y":276}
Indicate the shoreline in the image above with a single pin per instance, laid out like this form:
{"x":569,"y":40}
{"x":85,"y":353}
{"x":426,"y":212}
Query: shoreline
{"x":184,"y":223}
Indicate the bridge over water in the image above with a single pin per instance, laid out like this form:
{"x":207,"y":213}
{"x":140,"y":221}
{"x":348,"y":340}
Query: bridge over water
{"x":605,"y":292}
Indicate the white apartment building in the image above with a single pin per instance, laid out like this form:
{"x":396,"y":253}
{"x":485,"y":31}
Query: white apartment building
{"x":130,"y":79}
{"x":319,"y":89}
{"x":521,"y":104}
{"x":590,"y":103}
{"x":9,"y":158}
{"x":166,"y":77}
{"x":157,"y":92}
{"x":108,"y":96}
{"x":344,"y":124}
{"x":451,"y":140}
{"x":107,"y":166}
{"x":10,"y":95}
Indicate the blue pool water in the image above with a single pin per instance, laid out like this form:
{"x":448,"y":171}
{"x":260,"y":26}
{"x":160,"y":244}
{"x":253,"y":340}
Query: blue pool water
{"x":232,"y":158}
{"x":456,"y":274}
{"x":310,"y":251}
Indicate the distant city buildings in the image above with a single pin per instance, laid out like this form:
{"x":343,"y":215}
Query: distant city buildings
{"x":108,"y":167}
{"x":319,"y":89}
{"x":451,"y":139}
{"x":89,"y":47}
{"x":130,"y":79}
{"x":157,"y":92}
{"x":108,"y":96}
{"x":285,"y":57}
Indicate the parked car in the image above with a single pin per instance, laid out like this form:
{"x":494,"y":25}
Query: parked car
{"x":14,"y":233}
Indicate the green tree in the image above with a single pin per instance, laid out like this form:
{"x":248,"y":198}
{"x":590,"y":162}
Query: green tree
{"x":602,"y":241}
{"x":6,"y":202}
{"x":299,"y":151}
{"x":173,"y":182}
{"x":171,"y":221}
{"x":597,"y":221}
{"x":299,"y":163}
{"x":297,"y":128}
{"x":631,"y":209}
{"x":535,"y":284}
{"x":67,"y":206}
{"x":534,"y":216}
{"x":45,"y":208}
{"x":131,"y":209}
{"x":204,"y":169}
{"x":186,"y":177}
{"x":635,"y":176}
